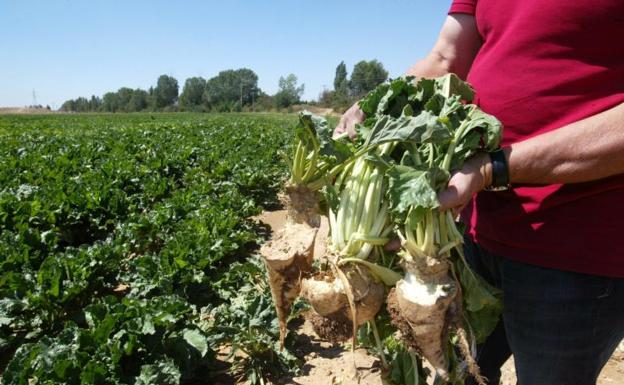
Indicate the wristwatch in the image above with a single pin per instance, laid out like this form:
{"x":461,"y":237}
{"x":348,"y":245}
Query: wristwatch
{"x":500,"y":171}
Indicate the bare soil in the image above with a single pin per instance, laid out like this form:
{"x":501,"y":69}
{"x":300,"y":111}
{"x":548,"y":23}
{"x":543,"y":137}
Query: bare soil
{"x":25,"y":110}
{"x":276,"y":220}
{"x":315,"y":110}
{"x":331,"y":364}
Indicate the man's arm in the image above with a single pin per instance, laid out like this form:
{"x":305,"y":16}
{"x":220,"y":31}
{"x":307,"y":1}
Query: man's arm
{"x":590,"y":149}
{"x":454,"y":51}
{"x":456,"y":47}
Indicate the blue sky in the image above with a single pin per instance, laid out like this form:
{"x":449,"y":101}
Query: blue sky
{"x":65,"y":49}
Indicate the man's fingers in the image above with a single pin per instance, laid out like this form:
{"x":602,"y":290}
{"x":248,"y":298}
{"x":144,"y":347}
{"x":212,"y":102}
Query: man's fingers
{"x":452,"y":199}
{"x":340,"y":128}
{"x":449,"y":198}
{"x":351,"y":131}
{"x":458,"y":209}
{"x":345,"y":126}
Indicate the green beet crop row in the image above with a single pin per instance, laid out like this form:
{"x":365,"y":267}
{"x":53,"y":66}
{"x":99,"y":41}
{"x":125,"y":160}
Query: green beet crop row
{"x":125,"y":245}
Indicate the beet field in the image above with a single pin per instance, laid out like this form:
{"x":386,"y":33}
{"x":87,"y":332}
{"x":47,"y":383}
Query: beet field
{"x":127,"y":248}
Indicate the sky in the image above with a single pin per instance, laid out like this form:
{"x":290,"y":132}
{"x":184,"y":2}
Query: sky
{"x":63,"y":49}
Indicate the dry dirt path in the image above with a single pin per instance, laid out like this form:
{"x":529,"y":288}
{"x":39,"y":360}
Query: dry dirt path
{"x":327,"y":364}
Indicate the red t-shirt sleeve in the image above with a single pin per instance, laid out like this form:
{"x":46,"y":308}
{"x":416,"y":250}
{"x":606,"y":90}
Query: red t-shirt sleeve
{"x":463,"y":6}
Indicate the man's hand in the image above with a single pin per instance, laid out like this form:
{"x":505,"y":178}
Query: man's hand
{"x":348,"y":121}
{"x":474,"y":176}
{"x":464,"y":184}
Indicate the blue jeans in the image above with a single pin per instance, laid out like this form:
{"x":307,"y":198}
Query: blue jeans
{"x":561,"y":327}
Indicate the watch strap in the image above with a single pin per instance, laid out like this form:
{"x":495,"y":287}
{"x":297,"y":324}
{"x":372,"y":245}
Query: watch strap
{"x":500,"y":170}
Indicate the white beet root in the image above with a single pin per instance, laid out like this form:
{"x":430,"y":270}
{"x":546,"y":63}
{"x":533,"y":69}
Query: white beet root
{"x":325,"y":294}
{"x":328,"y":297}
{"x":289,"y":253}
{"x":425,"y":304}
{"x":302,"y":205}
{"x":288,"y":256}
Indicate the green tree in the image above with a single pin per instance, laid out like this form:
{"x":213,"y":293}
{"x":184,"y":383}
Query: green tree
{"x":326,"y":98}
{"x":95,"y":104}
{"x":165,"y":92}
{"x":138,"y":101}
{"x":151,"y":99}
{"x":288,"y":93}
{"x":69,"y":106}
{"x":341,"y":83}
{"x":82,"y":105}
{"x":110,"y":102}
{"x":231,"y":90}
{"x":339,"y":99}
{"x":264,"y":102}
{"x":192,"y":93}
{"x":124,"y":94}
{"x":366,"y":75}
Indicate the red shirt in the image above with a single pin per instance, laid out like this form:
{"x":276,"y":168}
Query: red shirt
{"x":544,"y":64}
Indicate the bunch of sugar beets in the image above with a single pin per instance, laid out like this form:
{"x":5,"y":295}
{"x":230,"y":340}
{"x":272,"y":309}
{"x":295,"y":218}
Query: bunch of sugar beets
{"x":380,"y":185}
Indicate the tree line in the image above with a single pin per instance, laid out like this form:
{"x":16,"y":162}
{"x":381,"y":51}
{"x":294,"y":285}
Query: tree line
{"x":230,"y":91}
{"x":365,"y":76}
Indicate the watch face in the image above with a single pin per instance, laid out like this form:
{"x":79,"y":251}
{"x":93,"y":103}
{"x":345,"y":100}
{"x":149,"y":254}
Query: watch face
{"x":497,"y":188}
